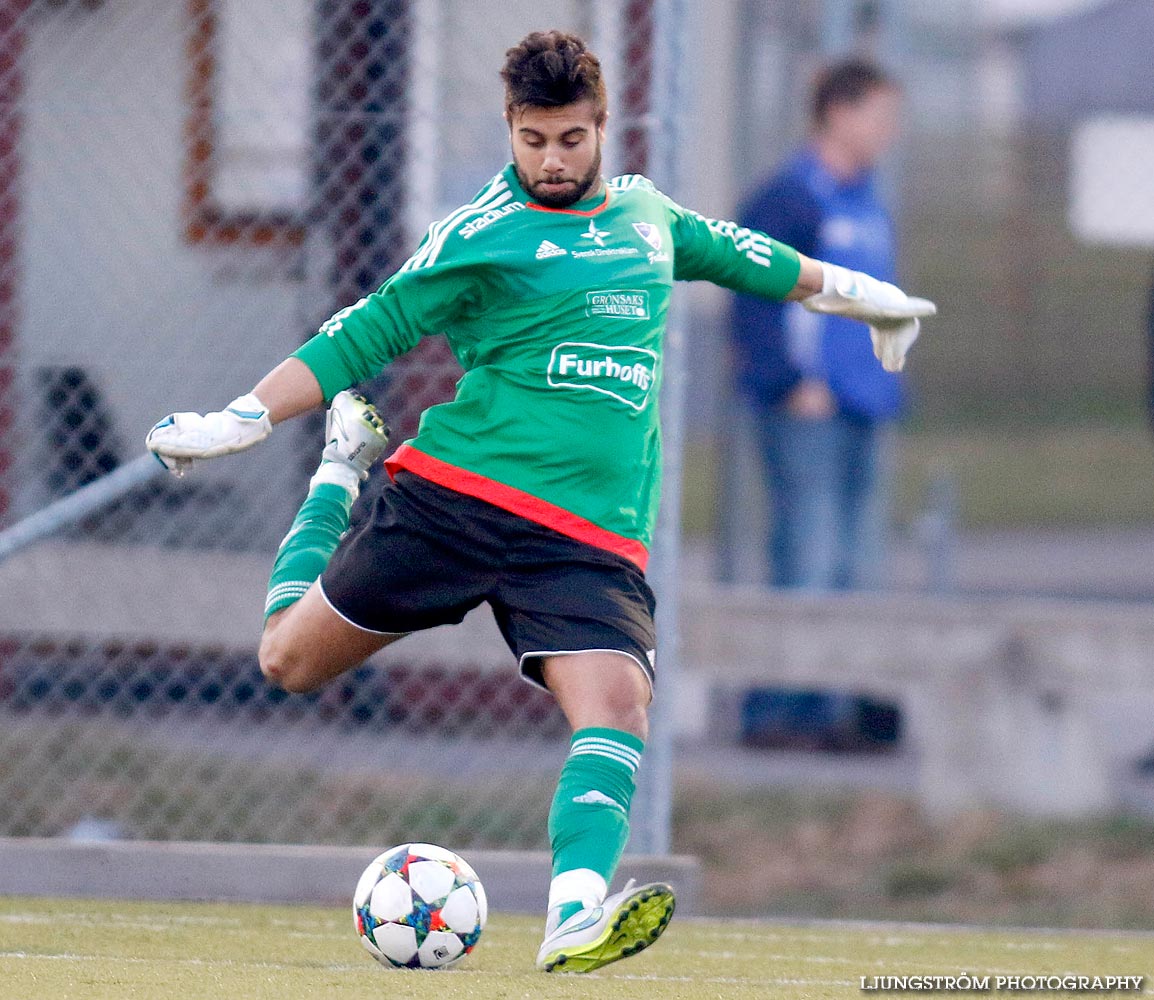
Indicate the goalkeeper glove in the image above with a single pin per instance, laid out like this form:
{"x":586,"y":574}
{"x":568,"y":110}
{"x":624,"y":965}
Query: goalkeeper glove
{"x":892,"y":316}
{"x":181,"y":437}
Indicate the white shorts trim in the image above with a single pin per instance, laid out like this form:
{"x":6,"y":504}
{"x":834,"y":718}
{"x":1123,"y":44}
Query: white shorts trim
{"x":346,"y":618}
{"x":574,"y":652}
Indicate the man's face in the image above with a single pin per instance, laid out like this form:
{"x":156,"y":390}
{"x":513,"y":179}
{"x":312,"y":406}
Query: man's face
{"x":557,"y":151}
{"x":868,"y":127}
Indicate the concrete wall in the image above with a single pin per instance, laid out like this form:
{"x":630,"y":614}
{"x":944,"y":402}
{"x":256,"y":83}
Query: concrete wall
{"x":515,"y":881}
{"x":1007,"y":702}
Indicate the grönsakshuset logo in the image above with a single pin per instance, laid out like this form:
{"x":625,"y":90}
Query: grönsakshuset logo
{"x":618,"y":303}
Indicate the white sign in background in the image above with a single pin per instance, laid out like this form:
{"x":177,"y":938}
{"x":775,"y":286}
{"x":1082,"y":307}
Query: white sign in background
{"x":1112,"y":181}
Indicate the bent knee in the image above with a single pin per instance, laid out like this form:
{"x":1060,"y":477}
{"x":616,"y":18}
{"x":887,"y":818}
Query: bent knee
{"x":633,"y":718}
{"x":626,"y":704}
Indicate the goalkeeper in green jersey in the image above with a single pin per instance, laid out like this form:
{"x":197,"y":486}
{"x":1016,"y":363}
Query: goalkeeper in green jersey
{"x":536,"y":488}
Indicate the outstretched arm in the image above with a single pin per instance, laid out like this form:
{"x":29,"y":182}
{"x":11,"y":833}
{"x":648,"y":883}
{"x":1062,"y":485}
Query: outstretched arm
{"x":352,"y":345}
{"x":750,"y":261}
{"x":289,"y":390}
{"x":810,"y":279}
{"x":436,"y":285}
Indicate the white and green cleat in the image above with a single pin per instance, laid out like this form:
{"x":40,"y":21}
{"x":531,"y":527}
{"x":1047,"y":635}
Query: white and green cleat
{"x":626,"y":923}
{"x":355,"y":433}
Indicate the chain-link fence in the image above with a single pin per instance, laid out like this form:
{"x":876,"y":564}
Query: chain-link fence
{"x":187,"y":190}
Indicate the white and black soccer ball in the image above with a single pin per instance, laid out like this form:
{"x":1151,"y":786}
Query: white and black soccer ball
{"x":419,"y":906}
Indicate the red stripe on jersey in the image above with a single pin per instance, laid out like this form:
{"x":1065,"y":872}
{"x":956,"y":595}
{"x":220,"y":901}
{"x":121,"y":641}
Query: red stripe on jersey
{"x":515,"y":501}
{"x":572,"y":211}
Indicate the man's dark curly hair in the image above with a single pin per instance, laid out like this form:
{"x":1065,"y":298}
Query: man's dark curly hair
{"x":548,"y":69}
{"x":847,"y":82}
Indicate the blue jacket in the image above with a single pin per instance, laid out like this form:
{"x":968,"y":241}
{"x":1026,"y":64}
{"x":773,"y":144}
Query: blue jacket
{"x":779,"y":343}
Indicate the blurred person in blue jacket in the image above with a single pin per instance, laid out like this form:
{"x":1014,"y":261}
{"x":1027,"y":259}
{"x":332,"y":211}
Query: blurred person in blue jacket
{"x":823,"y":405}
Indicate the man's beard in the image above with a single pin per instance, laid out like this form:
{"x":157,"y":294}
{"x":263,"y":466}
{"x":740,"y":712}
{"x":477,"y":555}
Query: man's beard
{"x":580,"y":189}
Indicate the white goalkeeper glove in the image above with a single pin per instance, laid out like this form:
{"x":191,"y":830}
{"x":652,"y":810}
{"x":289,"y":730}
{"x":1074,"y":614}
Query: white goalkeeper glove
{"x":180,"y":438}
{"x":892,"y":316}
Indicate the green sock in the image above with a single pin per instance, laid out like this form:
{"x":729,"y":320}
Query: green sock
{"x":589,"y":820}
{"x":310,"y":543}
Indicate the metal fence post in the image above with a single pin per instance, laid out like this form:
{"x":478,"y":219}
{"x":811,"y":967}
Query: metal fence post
{"x":653,"y":808}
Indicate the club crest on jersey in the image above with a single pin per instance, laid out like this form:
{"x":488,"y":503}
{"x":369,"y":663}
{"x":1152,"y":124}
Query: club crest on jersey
{"x":649,"y":233}
{"x":627,"y":374}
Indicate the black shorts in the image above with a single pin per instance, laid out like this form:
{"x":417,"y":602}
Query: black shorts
{"x":426,"y":555}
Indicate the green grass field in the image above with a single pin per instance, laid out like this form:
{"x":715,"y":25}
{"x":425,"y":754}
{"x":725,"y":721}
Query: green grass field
{"x":99,"y":950}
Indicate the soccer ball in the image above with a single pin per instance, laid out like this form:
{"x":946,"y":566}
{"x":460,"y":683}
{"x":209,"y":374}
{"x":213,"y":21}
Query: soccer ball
{"x":419,"y":906}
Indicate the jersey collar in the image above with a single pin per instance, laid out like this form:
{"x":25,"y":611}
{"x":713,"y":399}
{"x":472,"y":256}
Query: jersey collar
{"x":586,"y":206}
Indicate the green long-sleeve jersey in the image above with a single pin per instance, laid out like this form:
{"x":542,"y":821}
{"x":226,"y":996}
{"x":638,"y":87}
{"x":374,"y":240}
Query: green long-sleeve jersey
{"x":557,"y":317}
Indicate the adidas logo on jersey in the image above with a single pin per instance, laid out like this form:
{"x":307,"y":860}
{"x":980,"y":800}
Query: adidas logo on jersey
{"x":549,"y":249}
